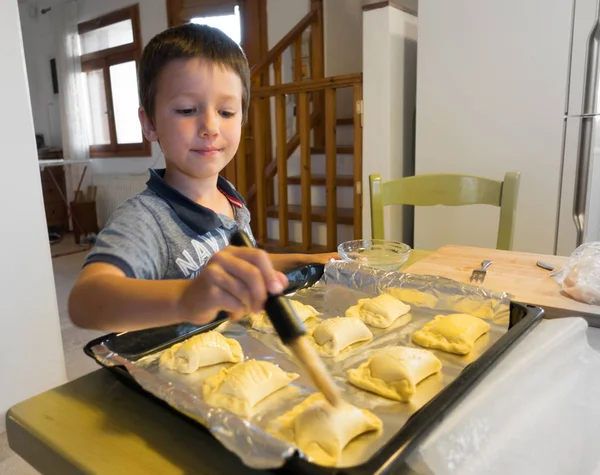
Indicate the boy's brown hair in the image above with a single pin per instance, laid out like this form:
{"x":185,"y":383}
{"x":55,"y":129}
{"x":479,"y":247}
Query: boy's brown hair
{"x":190,"y":40}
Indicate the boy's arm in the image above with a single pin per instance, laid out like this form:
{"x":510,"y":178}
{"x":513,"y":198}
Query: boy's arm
{"x":283,"y":262}
{"x":235,"y":280}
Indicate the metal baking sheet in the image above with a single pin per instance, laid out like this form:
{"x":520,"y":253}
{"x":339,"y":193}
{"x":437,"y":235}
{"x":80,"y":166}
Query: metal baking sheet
{"x":340,"y":287}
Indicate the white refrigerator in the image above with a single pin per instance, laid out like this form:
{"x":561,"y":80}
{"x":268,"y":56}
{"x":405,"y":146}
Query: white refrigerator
{"x":511,"y":85}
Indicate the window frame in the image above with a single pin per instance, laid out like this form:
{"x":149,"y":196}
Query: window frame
{"x":103,"y":60}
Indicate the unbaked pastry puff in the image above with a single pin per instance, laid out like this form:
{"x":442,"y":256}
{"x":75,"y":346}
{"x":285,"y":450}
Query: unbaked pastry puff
{"x":322,"y":431}
{"x":335,"y":334}
{"x":241,"y":387}
{"x":454,"y":333}
{"x":306,"y":313}
{"x":394,"y":372}
{"x":205,"y":349}
{"x":381,"y":311}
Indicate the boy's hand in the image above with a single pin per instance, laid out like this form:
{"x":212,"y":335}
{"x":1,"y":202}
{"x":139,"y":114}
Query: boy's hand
{"x":236,"y":280}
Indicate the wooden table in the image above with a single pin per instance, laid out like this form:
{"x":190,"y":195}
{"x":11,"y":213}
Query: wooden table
{"x":513,"y":272}
{"x":96,"y":424}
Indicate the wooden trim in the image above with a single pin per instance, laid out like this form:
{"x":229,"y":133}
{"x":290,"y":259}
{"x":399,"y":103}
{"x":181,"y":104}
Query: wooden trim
{"x":138,"y":152}
{"x":345,"y":121}
{"x":358,"y":145}
{"x":282,"y":157}
{"x":331,"y":167}
{"x":110,"y":18}
{"x":317,"y":69}
{"x":389,"y":3}
{"x":240,"y":158}
{"x":125,"y":57}
{"x":304,"y":119}
{"x":92,"y":65}
{"x":112,"y":128}
{"x":103,"y":60}
{"x":259,"y":159}
{"x":174,"y":12}
{"x":298,"y":59}
{"x":336,"y":82}
{"x":284,"y":43}
{"x":104,"y":53}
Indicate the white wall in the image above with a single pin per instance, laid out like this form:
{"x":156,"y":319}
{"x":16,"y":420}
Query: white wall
{"x":343,"y":46}
{"x":389,"y":94}
{"x":40,"y":46}
{"x":282,"y":16}
{"x":31,"y":353}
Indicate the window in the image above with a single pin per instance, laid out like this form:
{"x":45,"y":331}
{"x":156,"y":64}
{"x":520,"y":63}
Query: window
{"x":229,"y":24}
{"x":110,"y":53}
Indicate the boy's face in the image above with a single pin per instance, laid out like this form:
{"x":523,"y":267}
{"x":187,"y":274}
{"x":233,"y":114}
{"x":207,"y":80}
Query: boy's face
{"x":197,"y":117}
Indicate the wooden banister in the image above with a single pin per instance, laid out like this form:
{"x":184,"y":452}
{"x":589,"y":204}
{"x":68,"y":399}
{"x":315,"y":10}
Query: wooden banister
{"x":285,"y":42}
{"x":344,"y":80}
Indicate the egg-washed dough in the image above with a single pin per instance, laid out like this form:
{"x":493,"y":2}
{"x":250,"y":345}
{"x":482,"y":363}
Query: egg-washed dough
{"x":381,"y":311}
{"x":306,"y":313}
{"x":454,"y":333}
{"x":334,"y":334}
{"x":322,"y":431}
{"x":205,"y":349}
{"x":394,"y":372}
{"x":241,"y":387}
{"x":413,"y":297}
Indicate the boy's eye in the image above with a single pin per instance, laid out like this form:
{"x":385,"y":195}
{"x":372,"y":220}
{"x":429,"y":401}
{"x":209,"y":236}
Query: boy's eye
{"x":186,"y":111}
{"x":227,"y":114}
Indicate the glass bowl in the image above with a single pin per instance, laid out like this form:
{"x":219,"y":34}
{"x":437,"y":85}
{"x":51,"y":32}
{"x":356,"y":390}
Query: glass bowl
{"x":378,"y":253}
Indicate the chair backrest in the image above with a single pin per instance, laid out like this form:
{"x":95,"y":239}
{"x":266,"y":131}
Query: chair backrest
{"x":448,"y":190}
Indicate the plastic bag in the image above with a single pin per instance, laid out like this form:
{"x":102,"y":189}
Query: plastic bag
{"x":580,"y":278}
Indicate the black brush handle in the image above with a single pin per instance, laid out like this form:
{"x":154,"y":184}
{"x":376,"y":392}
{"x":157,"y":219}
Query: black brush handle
{"x":279,"y":309}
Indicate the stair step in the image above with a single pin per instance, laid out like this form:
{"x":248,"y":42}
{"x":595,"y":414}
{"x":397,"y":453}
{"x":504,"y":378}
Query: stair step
{"x":319,"y":180}
{"x":319,"y":214}
{"x":340,"y":149}
{"x":345,"y":121}
{"x":272,"y":245}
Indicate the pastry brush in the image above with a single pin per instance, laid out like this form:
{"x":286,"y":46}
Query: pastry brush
{"x":292,"y":332}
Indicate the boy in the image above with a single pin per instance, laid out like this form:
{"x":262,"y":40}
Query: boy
{"x":163,"y":257}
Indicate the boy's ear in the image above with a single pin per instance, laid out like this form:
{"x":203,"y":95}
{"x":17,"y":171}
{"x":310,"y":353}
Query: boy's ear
{"x":147,"y":126}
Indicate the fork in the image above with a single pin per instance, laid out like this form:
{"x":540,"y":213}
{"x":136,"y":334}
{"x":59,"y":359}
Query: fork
{"x":478,"y":275}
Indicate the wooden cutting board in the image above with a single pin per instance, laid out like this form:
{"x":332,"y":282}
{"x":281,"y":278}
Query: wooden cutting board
{"x":513,"y":272}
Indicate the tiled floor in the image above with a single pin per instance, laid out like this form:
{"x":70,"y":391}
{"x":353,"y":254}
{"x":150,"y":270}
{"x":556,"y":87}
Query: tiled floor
{"x":66,"y":269}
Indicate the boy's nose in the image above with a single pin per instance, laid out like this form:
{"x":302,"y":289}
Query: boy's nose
{"x":209,"y":125}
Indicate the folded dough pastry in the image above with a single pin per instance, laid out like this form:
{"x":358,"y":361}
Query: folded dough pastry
{"x":241,"y":387}
{"x":334,"y":334}
{"x":394,"y":372}
{"x":306,"y":313}
{"x":380,"y":311}
{"x":205,"y":349}
{"x":322,"y":431}
{"x":454,"y":333}
{"x":413,"y":297}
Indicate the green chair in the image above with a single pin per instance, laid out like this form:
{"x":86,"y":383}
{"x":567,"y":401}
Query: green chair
{"x":448,"y":190}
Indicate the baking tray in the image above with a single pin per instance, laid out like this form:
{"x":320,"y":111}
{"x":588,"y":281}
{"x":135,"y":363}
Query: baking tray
{"x":391,"y":457}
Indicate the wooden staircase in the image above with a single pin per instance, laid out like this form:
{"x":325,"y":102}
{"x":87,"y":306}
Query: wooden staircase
{"x":303,"y":188}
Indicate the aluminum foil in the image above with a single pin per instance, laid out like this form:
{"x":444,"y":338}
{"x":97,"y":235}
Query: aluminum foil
{"x":341,"y":286}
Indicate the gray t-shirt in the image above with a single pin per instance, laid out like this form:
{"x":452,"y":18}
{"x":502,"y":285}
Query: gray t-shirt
{"x":161,"y":234}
